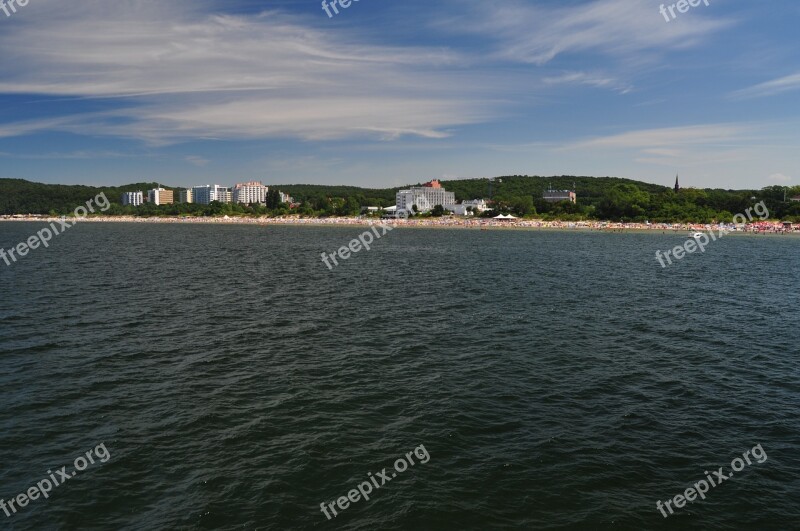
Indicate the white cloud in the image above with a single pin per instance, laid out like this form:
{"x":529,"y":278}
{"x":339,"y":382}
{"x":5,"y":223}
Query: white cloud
{"x":696,"y":145}
{"x":591,"y":79}
{"x":622,"y":28}
{"x":178,"y":74}
{"x":670,"y":137}
{"x":770,"y":88}
{"x":197,"y":160}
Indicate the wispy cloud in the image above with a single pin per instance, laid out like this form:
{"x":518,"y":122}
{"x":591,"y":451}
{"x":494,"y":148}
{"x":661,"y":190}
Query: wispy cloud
{"x":591,"y":79}
{"x":678,"y":146}
{"x":184,"y":74}
{"x":75,"y":155}
{"x":25,"y":127}
{"x":769,"y":88}
{"x":621,"y":28}
{"x":197,"y":160}
{"x":669,"y":137}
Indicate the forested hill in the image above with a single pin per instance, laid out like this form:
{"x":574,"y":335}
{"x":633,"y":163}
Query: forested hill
{"x":18,"y":196}
{"x":607,"y":198}
{"x":590,"y":189}
{"x":516,"y":185}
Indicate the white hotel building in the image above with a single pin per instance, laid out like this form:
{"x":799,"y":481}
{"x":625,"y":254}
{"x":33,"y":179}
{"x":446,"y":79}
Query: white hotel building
{"x":249,"y":193}
{"x":204,"y":195}
{"x":425,"y":197}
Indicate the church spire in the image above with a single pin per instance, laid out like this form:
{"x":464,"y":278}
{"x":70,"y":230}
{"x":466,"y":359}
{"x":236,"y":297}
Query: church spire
{"x":677,"y":186}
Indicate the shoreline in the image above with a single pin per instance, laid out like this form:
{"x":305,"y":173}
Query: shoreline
{"x":759,"y":227}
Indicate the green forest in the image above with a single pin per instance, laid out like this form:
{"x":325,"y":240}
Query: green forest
{"x":599,"y":198}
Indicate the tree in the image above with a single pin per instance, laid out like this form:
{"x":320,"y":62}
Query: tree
{"x":352,"y":206}
{"x":273,"y":199}
{"x":624,"y":202}
{"x":438,"y":211}
{"x":522,"y":205}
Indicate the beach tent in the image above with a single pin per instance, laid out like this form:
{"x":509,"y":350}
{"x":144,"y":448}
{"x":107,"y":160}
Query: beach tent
{"x":502,"y":217}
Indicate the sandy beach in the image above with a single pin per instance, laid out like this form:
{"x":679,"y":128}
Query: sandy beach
{"x":759,"y":227}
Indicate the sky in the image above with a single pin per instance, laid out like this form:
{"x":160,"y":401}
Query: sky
{"x":393,"y":92}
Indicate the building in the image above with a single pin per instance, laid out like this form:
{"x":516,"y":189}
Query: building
{"x":425,"y":197}
{"x":204,"y":195}
{"x":556,"y":196}
{"x":478,"y":205}
{"x":677,"y":185}
{"x":133,"y":198}
{"x":390,"y":213}
{"x":186,"y":196}
{"x":467,"y":208}
{"x":795,"y":199}
{"x":286,"y":198}
{"x":160,"y":196}
{"x":458,"y":210}
{"x":250,"y":193}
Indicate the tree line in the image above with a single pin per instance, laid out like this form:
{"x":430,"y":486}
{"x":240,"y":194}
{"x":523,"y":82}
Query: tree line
{"x":599,"y":198}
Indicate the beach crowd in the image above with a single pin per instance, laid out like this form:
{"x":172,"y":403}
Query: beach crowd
{"x":448,"y":222}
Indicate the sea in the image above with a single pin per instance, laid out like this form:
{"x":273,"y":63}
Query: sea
{"x":188,"y":376}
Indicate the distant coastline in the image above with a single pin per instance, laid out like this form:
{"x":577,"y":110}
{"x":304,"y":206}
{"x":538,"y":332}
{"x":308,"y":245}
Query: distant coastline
{"x":760,"y":227}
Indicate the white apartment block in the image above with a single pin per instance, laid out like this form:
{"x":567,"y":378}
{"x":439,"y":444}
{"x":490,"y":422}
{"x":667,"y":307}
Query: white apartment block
{"x":133,"y":198}
{"x":204,"y":195}
{"x":250,"y":192}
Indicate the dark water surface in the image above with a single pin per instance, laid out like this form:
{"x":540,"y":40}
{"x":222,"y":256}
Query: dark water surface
{"x":557,"y":380}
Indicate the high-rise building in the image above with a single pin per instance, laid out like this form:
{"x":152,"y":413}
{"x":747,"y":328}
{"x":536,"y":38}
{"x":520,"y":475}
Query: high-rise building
{"x":186,"y":196}
{"x":250,"y":192}
{"x":160,"y":196}
{"x":204,"y":195}
{"x":133,"y":198}
{"x":425,"y":197}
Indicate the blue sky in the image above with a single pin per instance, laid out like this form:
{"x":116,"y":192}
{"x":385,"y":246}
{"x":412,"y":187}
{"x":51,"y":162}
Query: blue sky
{"x":391,"y":92}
